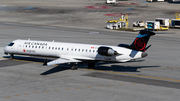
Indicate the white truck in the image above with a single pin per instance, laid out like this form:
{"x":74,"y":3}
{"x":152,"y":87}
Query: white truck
{"x":139,"y":24}
{"x":111,"y":2}
{"x":115,"y":24}
{"x":152,"y":25}
{"x":163,"y":21}
{"x":157,"y":0}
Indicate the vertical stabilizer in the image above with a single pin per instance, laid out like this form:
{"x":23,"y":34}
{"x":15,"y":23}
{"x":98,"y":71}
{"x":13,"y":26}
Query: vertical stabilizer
{"x":141,"y":40}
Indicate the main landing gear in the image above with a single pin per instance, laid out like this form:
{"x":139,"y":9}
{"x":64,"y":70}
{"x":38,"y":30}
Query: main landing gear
{"x":74,"y":67}
{"x":91,"y":65}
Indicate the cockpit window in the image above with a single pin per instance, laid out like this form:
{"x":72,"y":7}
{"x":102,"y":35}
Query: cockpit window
{"x":11,"y":44}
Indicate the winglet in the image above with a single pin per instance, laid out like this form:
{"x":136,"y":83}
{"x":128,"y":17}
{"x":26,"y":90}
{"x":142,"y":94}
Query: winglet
{"x":45,"y":63}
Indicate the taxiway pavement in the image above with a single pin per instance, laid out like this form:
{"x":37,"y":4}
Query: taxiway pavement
{"x":156,"y":77}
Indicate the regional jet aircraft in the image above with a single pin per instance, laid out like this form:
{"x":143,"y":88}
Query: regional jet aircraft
{"x":74,"y":53}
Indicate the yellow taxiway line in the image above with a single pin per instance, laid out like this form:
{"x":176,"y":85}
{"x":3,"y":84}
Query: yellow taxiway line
{"x":127,"y":74}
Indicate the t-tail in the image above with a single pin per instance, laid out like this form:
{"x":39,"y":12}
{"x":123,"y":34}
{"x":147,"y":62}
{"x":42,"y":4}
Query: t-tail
{"x":140,"y":42}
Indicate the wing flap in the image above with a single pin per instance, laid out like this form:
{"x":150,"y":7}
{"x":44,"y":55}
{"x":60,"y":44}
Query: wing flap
{"x":61,"y":61}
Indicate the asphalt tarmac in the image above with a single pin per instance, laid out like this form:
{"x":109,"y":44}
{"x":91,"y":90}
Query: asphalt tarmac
{"x":154,"y":78}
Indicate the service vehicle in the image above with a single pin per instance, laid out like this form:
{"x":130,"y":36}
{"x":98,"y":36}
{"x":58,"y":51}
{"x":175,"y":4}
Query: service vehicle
{"x":139,"y":24}
{"x":111,"y":1}
{"x":157,"y":0}
{"x":152,"y":25}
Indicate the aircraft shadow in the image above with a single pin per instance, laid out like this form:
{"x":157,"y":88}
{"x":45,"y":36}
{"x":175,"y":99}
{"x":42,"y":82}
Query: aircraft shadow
{"x":55,"y":70}
{"x":120,"y":68}
{"x":99,"y":66}
{"x":177,"y":2}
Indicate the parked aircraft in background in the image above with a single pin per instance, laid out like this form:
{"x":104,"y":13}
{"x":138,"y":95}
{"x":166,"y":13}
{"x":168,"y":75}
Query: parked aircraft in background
{"x":75,"y":53}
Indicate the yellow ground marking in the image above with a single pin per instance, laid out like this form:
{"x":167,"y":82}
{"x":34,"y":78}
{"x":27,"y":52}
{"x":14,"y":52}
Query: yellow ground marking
{"x":121,"y":84}
{"x":136,"y":75}
{"x":9,"y":28}
{"x":36,"y":92}
{"x":99,"y":86}
{"x":17,"y":95}
{"x":133,"y":83}
{"x":89,"y":87}
{"x":26,"y":94}
{"x":78,"y":88}
{"x":110,"y":85}
{"x":67,"y":89}
{"x":45,"y":91}
{"x":21,"y":60}
{"x":7,"y":97}
{"x":156,"y":82}
{"x":56,"y":90}
{"x":144,"y":83}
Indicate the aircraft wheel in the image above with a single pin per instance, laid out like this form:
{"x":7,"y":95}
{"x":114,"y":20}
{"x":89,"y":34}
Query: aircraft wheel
{"x":74,"y":67}
{"x":91,"y":65}
{"x":12,"y":56}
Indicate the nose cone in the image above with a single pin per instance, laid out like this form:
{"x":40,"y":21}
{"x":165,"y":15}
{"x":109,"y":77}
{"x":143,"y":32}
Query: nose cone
{"x":5,"y":49}
{"x":143,"y":54}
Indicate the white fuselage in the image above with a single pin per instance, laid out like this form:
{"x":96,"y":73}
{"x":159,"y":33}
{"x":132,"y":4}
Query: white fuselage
{"x":75,"y":51}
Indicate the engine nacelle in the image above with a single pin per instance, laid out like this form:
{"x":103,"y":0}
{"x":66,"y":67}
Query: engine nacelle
{"x":106,"y":51}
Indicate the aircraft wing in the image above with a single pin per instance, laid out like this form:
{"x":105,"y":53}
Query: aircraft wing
{"x":60,"y":61}
{"x":65,"y":59}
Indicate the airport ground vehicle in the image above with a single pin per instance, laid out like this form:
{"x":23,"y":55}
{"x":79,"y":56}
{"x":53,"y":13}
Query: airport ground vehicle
{"x":117,"y":24}
{"x":156,"y":25}
{"x":157,"y":0}
{"x":175,"y":23}
{"x":152,"y":25}
{"x":111,"y":1}
{"x":139,"y":24}
{"x":164,"y":23}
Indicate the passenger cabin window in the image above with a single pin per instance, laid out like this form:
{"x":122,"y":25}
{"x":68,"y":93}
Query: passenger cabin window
{"x":11,"y":44}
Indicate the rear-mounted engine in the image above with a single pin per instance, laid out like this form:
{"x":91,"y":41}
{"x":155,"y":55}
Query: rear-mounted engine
{"x":106,"y":51}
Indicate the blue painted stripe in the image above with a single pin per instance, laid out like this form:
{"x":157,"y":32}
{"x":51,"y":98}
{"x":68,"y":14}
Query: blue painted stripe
{"x":140,"y":36}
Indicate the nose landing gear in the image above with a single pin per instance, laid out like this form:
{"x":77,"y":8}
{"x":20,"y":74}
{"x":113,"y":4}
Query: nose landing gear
{"x":11,"y":56}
